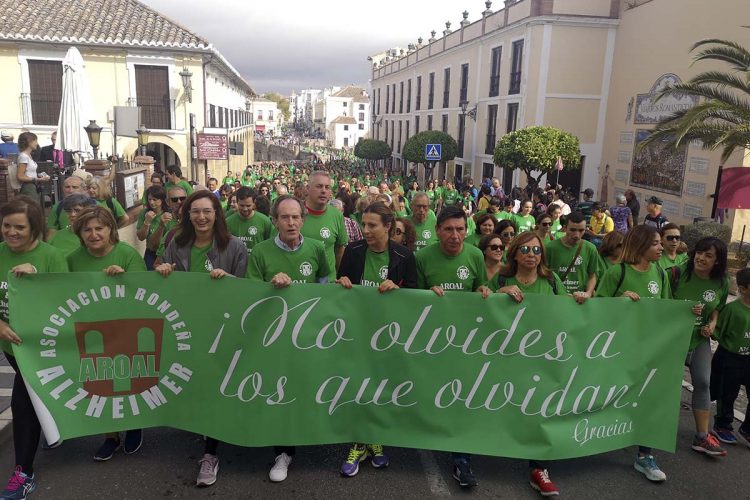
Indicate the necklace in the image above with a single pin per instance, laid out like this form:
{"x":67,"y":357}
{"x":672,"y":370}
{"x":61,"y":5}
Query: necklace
{"x":525,"y":281}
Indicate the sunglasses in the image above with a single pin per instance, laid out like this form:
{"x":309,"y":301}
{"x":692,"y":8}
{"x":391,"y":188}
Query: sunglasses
{"x":178,"y":198}
{"x":495,"y":248}
{"x":398,"y":232}
{"x":546,"y":224}
{"x":525,"y":249}
{"x":672,"y":238}
{"x":507,"y":235}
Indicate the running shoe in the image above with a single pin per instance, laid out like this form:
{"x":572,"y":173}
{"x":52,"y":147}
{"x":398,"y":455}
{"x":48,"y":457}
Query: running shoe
{"x":357,"y":453}
{"x":379,"y":459}
{"x":19,"y":486}
{"x":280,"y":468}
{"x":107,"y":449}
{"x":133,"y":441}
{"x":745,"y":435}
{"x":541,"y":482}
{"x":708,"y":445}
{"x":208,"y":471}
{"x":646,"y":465}
{"x":726,"y":436}
{"x":463,"y":474}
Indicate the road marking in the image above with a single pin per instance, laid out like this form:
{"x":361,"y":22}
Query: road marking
{"x":6,"y":393}
{"x":737,"y":413}
{"x":7,"y":369}
{"x":434,"y":477}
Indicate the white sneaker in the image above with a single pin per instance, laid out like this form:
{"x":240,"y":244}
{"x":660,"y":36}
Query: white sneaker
{"x":279,"y":470}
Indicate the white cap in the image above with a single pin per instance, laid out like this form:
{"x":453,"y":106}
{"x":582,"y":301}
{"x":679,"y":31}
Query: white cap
{"x":5,"y":133}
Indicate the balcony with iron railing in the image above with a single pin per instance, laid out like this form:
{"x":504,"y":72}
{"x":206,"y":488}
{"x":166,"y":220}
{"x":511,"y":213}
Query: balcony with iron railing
{"x":490,"y":147}
{"x":495,"y":86}
{"x":515,"y":83}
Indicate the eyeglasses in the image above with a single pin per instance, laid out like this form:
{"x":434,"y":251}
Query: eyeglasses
{"x":175,"y":199}
{"x":507,"y":235}
{"x":546,"y":224}
{"x":525,"y":249}
{"x":195,"y":212}
{"x":672,"y":238}
{"x":398,"y":232}
{"x":495,"y":248}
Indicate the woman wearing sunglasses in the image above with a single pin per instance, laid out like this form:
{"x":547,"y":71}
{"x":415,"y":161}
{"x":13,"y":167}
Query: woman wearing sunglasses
{"x":492,"y":247}
{"x":670,"y":239}
{"x":404,"y":233}
{"x":527,"y":273}
{"x":507,"y":231}
{"x":543,"y":228}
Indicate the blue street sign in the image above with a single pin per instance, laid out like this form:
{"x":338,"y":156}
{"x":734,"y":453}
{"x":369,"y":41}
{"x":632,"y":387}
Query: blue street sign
{"x":433,"y":152}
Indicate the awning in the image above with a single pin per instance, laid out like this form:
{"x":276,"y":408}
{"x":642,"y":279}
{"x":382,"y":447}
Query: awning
{"x":260,"y":128}
{"x":734,"y":190}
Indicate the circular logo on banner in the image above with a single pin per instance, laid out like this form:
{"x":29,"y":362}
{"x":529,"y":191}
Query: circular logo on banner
{"x":426,"y":234}
{"x":709,"y":296}
{"x":305,"y":269}
{"x":325,"y":233}
{"x":252,"y":230}
{"x":383,"y":273}
{"x":462,"y":273}
{"x":653,"y":287}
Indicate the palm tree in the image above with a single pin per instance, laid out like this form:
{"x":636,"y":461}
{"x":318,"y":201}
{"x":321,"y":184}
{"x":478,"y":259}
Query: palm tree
{"x":722,"y":119}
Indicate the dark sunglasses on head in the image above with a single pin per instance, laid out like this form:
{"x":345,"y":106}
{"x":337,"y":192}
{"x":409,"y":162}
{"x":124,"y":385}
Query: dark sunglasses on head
{"x":175,"y":199}
{"x":495,"y":248}
{"x":525,"y":249}
{"x":673,"y":238}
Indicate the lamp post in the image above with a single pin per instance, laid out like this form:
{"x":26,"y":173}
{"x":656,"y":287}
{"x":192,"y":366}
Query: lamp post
{"x":142,"y":132}
{"x":94,"y":132}
{"x":185,"y":74}
{"x":472,"y":113}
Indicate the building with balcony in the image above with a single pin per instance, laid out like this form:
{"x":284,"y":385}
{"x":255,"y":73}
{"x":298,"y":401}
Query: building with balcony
{"x":134,"y":57}
{"x":267,"y":116}
{"x":342,"y":115}
{"x":590,"y":67}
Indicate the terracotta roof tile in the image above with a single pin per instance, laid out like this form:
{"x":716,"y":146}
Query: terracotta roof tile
{"x":352,"y":91}
{"x":346,"y":120}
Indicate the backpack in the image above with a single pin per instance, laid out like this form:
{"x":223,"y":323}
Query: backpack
{"x":502,"y":281}
{"x":674,"y":277}
{"x":13,"y":174}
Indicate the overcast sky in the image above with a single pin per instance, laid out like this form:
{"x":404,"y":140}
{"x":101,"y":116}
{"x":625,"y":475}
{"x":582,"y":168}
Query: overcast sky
{"x":293,"y":44}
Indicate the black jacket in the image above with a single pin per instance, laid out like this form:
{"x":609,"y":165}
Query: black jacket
{"x":46,"y":153}
{"x":402,"y":267}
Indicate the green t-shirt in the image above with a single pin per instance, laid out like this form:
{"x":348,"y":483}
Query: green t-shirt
{"x":464,"y":272}
{"x":376,"y":268}
{"x":604,"y":265}
{"x":118,"y":210}
{"x":711,"y":293}
{"x":556,"y":228}
{"x":559,"y":257}
{"x":541,"y":286}
{"x":666,"y":263}
{"x":503,"y":215}
{"x":184,"y":185}
{"x":227,"y":180}
{"x":199,"y":261}
{"x":473,"y":239}
{"x":65,"y":240}
{"x":306,"y":264}
{"x":167,"y":228}
{"x":55,"y":222}
{"x":123,"y":255}
{"x":250,"y":231}
{"x":142,"y":220}
{"x":471,"y":226}
{"x":733,"y":329}
{"x":433,"y":198}
{"x":426,"y":234}
{"x":329,"y":229}
{"x":524,"y":223}
{"x":450,"y":197}
{"x":653,"y":283}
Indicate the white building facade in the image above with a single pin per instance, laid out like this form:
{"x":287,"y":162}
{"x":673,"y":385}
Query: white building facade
{"x":342,"y":115}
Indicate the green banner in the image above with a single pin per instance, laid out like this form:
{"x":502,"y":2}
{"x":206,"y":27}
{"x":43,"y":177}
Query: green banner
{"x":314,"y":364}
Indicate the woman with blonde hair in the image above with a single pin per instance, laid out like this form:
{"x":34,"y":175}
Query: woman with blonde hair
{"x":100,"y":189}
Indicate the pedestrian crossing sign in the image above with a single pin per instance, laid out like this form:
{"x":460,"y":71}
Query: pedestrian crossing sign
{"x":433,"y":152}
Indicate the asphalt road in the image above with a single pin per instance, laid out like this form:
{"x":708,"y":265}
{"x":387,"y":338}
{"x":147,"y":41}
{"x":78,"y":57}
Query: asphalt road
{"x":166,"y":467}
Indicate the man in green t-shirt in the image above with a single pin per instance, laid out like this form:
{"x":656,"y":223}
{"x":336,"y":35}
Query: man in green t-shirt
{"x":174,"y":178}
{"x":574,"y":259}
{"x":450,"y":195}
{"x":58,"y":218}
{"x":250,"y":226}
{"x":424,"y":220}
{"x":450,"y":265}
{"x":324,"y":222}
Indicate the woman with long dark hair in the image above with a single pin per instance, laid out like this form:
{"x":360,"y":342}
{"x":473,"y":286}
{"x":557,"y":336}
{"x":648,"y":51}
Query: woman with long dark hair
{"x":149,"y":221}
{"x":203,"y":244}
{"x":703,"y":278}
{"x":375,"y":261}
{"x":22,"y":251}
{"x":404,"y":233}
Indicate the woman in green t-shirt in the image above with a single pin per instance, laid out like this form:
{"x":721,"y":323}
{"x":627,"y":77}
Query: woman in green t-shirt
{"x":485,"y":225}
{"x":703,"y":279}
{"x":527,"y":273}
{"x":492,"y":247}
{"x":99,"y":189}
{"x":671,"y":239}
{"x":639,"y":276}
{"x":375,"y":261}
{"x":149,"y":221}
{"x":203,"y":244}
{"x":22,"y":252}
{"x":523,"y":219}
{"x":610,"y":251}
{"x":543,"y":228}
{"x":102,"y":250}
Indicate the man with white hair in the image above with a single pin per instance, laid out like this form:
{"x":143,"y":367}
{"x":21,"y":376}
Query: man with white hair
{"x":7,"y":147}
{"x":58,"y":218}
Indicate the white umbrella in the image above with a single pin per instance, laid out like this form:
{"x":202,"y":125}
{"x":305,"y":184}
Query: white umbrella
{"x":75,"y":108}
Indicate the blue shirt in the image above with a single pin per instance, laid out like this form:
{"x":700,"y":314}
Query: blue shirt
{"x":8,"y":148}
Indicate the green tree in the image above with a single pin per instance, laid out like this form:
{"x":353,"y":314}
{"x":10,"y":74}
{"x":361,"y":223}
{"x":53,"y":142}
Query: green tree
{"x":722,"y":120}
{"x":281,"y":101}
{"x":536,"y":149}
{"x":372,"y":150}
{"x":414,"y":148}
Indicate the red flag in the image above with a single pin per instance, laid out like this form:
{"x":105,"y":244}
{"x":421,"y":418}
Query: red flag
{"x":559,"y":163}
{"x":735,"y":188}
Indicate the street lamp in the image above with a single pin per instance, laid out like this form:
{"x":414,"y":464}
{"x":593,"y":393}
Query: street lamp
{"x":142,"y":132}
{"x":94,"y":132}
{"x":185,"y":74}
{"x":472,"y":113}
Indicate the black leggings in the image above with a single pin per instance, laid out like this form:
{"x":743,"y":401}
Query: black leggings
{"x":26,"y":428}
